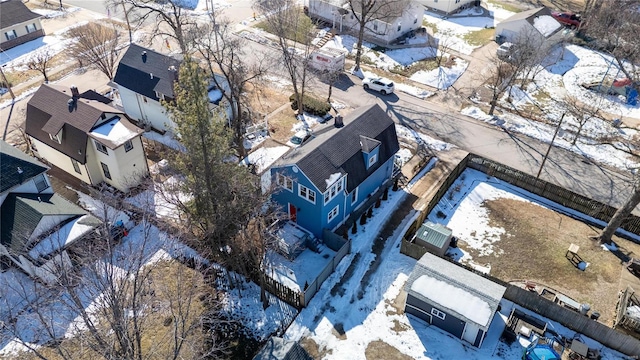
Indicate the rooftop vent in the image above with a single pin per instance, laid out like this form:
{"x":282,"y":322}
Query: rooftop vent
{"x":144,"y":56}
{"x":19,"y":170}
{"x":74,"y":91}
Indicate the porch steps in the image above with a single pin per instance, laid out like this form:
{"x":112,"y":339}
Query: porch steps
{"x":328,"y":36}
{"x":315,"y":245}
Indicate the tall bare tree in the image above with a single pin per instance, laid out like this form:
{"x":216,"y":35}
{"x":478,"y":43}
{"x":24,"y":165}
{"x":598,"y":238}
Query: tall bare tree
{"x":225,"y":53}
{"x":118,"y":302}
{"x":294,"y":31}
{"x":168,"y":19}
{"x":582,"y":112}
{"x":367,"y":11}
{"x":96,"y":46}
{"x":41,"y":61}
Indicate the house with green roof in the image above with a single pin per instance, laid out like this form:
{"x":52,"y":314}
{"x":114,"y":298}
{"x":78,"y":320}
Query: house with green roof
{"x":37,"y":224}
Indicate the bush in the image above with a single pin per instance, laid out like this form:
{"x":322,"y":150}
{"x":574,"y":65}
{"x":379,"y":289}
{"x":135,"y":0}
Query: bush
{"x":311,"y":105}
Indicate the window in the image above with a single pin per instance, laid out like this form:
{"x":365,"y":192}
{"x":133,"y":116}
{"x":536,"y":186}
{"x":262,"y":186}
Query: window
{"x":307,"y":193}
{"x":76,"y":166}
{"x":354,"y":196}
{"x":334,"y":190}
{"x":372,"y":160}
{"x":128,"y":146}
{"x":100,"y":147}
{"x":105,"y":170}
{"x":437,"y":313}
{"x":333,"y":213}
{"x":399,"y":27}
{"x":57,"y":137}
{"x":375,"y":26}
{"x":31,"y":28}
{"x":11,"y":35}
{"x":285,"y":182}
{"x":415,"y":20}
{"x":41,"y":182}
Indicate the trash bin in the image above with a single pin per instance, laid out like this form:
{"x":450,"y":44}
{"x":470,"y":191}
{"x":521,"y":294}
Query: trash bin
{"x":499,"y":39}
{"x":595,"y":315}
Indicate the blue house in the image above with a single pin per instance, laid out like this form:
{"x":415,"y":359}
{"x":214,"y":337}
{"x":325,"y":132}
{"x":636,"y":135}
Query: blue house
{"x":323,"y":181}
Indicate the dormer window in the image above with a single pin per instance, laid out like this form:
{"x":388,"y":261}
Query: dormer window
{"x":372,"y":160}
{"x":333,"y":191}
{"x":57,"y":137}
{"x":159,"y":95}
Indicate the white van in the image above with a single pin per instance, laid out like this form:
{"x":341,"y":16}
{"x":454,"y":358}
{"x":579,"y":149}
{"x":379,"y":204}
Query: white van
{"x":327,"y":59}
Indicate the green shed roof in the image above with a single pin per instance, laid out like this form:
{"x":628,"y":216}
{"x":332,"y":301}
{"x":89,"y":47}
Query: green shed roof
{"x":434,"y":234}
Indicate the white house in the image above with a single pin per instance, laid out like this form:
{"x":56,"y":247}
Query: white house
{"x":145,"y":78}
{"x":535,"y":25}
{"x":37,"y":224}
{"x":448,"y":6}
{"x":382,"y":32}
{"x":18,"y":24}
{"x":86,"y":137}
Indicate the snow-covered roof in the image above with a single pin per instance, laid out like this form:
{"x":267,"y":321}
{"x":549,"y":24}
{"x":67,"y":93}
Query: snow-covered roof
{"x":546,"y":25}
{"x":115,"y":132}
{"x":66,"y":235}
{"x":263,"y":157}
{"x":454,"y":289}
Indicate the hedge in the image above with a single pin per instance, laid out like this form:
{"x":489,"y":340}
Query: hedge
{"x":312,"y":106}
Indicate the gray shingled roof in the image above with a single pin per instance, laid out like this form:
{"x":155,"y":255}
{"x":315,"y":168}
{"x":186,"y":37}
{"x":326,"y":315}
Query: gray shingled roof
{"x":339,"y":150}
{"x":443,"y":270}
{"x":134,"y":72}
{"x":16,"y":167}
{"x":15,"y":12}
{"x":434,"y":234}
{"x":20,"y":214}
{"x":48,"y":111}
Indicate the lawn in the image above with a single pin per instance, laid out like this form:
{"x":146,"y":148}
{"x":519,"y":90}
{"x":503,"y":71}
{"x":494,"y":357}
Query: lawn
{"x":520,"y":239}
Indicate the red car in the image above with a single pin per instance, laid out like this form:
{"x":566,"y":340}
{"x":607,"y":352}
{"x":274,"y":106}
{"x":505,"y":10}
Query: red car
{"x":568,"y":19}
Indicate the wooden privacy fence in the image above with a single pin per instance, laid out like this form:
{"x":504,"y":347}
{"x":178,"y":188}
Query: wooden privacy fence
{"x":550,"y":191}
{"x":300,"y":299}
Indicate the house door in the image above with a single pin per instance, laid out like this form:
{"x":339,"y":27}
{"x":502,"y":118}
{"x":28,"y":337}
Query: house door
{"x":293,"y":213}
{"x":470,"y":333}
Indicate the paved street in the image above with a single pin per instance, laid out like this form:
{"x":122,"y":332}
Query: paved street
{"x":439,"y":117}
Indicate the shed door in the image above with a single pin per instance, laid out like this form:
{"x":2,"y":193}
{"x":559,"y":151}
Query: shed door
{"x":470,"y":333}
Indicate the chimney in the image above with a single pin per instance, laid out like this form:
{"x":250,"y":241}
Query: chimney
{"x":144,"y":56}
{"x":338,"y":121}
{"x":173,"y":72}
{"x":74,"y":92}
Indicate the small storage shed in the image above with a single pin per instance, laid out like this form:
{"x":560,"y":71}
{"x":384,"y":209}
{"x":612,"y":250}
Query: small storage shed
{"x":452,"y":298}
{"x":434,"y":237}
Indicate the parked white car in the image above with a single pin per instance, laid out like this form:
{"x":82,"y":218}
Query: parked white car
{"x":298,"y":138}
{"x":506,"y":51}
{"x":382,"y":85}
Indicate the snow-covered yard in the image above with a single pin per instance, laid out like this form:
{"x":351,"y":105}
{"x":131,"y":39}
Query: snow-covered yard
{"x":345,"y":327}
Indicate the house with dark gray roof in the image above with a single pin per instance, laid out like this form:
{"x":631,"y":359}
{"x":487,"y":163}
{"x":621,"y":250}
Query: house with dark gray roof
{"x":144,"y":78}
{"x":18,"y":24}
{"x":452,"y":298}
{"x":321,"y":182}
{"x":37,"y":224}
{"x":86,"y":137}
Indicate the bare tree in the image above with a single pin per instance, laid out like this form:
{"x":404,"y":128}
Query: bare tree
{"x":367,"y":11}
{"x":501,"y":76}
{"x":167,"y":18}
{"x":40,"y":61}
{"x":294,"y":31}
{"x":96,"y":46}
{"x":225,"y":53}
{"x":119,"y":301}
{"x":582,"y":112}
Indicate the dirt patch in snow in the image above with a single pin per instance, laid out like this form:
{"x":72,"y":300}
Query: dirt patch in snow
{"x":381,"y":350}
{"x":533,"y":248}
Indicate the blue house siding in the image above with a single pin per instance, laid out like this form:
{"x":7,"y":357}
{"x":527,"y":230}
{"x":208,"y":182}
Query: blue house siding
{"x":368,"y":186}
{"x":421,"y":309}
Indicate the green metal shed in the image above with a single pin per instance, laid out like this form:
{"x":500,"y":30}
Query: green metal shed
{"x":434,"y":237}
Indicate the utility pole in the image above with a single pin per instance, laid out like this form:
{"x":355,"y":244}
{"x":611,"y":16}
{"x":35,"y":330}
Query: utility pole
{"x":544,"y":159}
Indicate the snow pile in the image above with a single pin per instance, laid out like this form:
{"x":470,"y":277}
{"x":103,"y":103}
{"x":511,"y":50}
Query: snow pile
{"x":431,"y":143}
{"x":414,"y":90}
{"x":52,"y":14}
{"x":332,"y":179}
{"x":455,"y":298}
